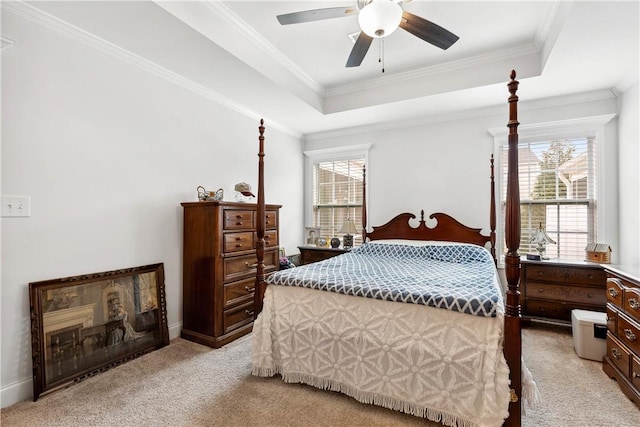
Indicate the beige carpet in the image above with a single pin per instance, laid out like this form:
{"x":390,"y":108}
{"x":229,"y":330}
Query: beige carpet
{"x":186,"y":384}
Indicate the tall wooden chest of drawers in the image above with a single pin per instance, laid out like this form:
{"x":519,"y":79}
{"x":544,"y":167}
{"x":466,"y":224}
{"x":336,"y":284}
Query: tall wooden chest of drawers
{"x":622,"y":360}
{"x":219,"y":268}
{"x":550,"y":289}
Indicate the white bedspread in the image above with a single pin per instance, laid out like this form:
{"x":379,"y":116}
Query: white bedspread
{"x":434,"y":363}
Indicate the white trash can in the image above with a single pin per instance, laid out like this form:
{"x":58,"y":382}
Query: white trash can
{"x":589,"y":330}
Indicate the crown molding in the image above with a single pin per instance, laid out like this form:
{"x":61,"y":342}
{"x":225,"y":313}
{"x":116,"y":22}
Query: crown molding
{"x":461,"y":116}
{"x":45,"y":20}
{"x":426,"y":72}
{"x":223,"y":12}
{"x":6,"y":41}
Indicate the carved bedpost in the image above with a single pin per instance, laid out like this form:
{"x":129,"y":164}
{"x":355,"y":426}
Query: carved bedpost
{"x":364,"y":204}
{"x":260,"y":228}
{"x":492,"y":214}
{"x":513,"y":338}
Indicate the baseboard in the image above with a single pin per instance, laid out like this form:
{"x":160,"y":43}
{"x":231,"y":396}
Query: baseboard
{"x":23,"y":390}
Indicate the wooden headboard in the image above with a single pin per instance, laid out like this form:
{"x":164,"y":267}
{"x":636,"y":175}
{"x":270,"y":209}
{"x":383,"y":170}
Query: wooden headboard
{"x":446,"y":228}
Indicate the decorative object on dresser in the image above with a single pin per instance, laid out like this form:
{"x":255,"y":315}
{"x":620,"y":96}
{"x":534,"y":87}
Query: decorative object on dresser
{"x":335,"y":242}
{"x":204,"y":195}
{"x":309,"y":254}
{"x":598,"y":252}
{"x":622,"y":361}
{"x":84,"y":325}
{"x":312,"y":235}
{"x":219,"y":268}
{"x":349,"y":228}
{"x":552,"y":288}
{"x":541,"y":238}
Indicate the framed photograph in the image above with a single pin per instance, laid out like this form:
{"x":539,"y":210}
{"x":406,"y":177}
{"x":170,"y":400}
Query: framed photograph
{"x":312,"y":235}
{"x":84,"y":325}
{"x":323,"y":242}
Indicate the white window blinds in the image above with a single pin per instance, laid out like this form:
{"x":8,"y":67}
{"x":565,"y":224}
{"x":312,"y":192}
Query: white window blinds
{"x":337,"y":196}
{"x":557,"y":192}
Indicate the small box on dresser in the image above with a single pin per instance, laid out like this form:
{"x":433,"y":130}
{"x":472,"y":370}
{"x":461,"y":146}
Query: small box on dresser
{"x":219,"y":268}
{"x":622,"y":360}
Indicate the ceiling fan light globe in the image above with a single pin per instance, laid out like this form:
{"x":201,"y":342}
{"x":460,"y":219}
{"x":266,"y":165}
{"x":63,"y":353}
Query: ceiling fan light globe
{"x":380,"y":18}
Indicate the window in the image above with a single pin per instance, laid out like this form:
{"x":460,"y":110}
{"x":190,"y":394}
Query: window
{"x":558,"y":192}
{"x":333,"y":189}
{"x":337,"y":196}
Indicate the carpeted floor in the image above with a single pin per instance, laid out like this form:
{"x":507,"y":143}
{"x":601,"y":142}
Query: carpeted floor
{"x":186,"y":384}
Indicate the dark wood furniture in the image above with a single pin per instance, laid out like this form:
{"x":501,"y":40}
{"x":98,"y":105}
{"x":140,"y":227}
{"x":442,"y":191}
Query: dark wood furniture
{"x":513,"y":318}
{"x":552,"y":288}
{"x":219,"y":268}
{"x":309,"y":254}
{"x":622,"y":360}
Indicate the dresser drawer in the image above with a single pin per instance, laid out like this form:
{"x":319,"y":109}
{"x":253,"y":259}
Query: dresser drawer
{"x":631,"y":302}
{"x":237,"y":292}
{"x":238,"y":220}
{"x":612,"y":319}
{"x":237,"y":317}
{"x":241,"y":241}
{"x":614,"y":291}
{"x":271,"y":220}
{"x":567,"y":293}
{"x":618,"y":354}
{"x":628,"y":332}
{"x":635,"y":371}
{"x":244,"y":266}
{"x":547,"y":309}
{"x":271,"y":238}
{"x":581,"y":276}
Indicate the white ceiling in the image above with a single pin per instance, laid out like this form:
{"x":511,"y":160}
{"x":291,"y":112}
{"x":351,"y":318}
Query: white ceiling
{"x":295,"y":76}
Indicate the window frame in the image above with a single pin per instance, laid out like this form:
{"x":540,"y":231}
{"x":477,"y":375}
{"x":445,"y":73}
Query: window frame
{"x":573,"y":128}
{"x":330,"y":155}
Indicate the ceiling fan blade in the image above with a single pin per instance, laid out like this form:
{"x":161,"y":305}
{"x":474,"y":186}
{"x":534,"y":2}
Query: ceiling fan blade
{"x":315,"y":15}
{"x":427,"y":31}
{"x":359,"y":50}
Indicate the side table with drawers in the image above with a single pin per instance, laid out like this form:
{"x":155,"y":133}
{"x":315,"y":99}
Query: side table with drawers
{"x":550,"y":289}
{"x":309,"y":254}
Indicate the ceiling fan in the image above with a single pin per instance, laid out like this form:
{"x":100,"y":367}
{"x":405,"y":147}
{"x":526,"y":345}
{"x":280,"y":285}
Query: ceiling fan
{"x":377,"y":19}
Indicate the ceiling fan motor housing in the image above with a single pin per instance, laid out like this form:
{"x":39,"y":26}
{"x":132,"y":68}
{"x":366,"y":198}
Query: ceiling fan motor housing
{"x":380,"y":18}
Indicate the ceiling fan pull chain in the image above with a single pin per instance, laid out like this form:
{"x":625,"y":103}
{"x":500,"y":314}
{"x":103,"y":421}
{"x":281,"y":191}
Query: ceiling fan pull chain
{"x":381,"y":53}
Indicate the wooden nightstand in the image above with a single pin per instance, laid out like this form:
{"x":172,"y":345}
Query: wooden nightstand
{"x":309,"y":254}
{"x":550,"y":289}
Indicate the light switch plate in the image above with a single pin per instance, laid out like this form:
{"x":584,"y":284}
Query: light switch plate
{"x":16,"y":206}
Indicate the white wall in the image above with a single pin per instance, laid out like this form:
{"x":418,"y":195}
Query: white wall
{"x":443,"y":166}
{"x":629,"y":178}
{"x":107,"y":152}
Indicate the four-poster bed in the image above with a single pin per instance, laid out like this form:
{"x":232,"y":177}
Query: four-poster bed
{"x":460,"y":365}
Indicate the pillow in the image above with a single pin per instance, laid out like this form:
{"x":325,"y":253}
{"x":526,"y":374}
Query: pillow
{"x":412,"y":242}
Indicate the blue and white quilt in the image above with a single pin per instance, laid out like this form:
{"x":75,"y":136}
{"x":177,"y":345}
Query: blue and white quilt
{"x":457,"y":277}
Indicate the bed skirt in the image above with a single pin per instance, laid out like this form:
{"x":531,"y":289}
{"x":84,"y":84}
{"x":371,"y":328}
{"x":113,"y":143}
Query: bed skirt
{"x":433,"y":363}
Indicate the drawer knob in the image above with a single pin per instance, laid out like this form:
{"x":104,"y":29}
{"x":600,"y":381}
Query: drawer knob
{"x":238,"y":222}
{"x":239,"y":245}
{"x":589,"y":295}
{"x":636,"y":375}
{"x":540,"y":273}
{"x":249,"y":312}
{"x":250,"y":265}
{"x":238,"y":239}
{"x":633,"y":303}
{"x":590,"y":276}
{"x":613,"y":292}
{"x":540,"y":290}
{"x":616,"y":354}
{"x":629,"y":334}
{"x":248,"y":289}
